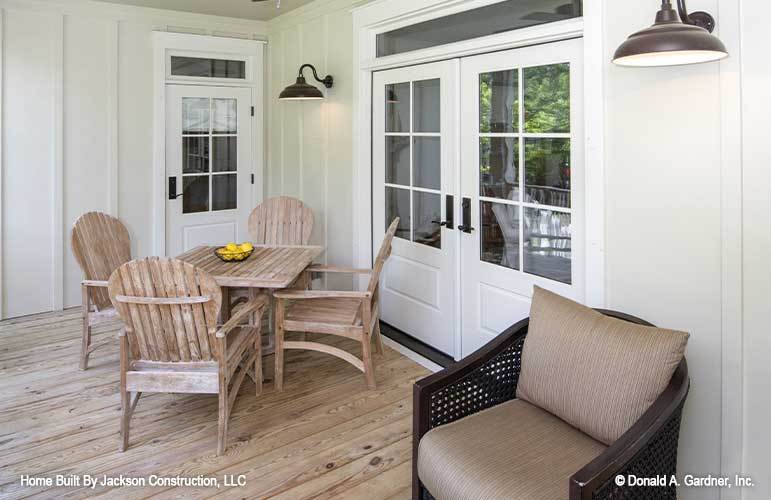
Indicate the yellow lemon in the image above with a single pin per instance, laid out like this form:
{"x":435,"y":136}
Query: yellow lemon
{"x":231,"y":247}
{"x":246,"y":247}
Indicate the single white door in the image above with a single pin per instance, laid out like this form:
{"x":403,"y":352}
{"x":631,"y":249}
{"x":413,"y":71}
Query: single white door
{"x":522,"y":207}
{"x":414,"y":178}
{"x":208,"y":165}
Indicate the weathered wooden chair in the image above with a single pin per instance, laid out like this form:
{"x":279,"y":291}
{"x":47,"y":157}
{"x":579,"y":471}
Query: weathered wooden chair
{"x":354,"y":315}
{"x":171,"y":342}
{"x":281,"y":221}
{"x":100,"y":244}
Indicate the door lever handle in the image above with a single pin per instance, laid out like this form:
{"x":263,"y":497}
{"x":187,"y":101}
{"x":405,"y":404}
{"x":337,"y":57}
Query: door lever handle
{"x":465,"y":225}
{"x":175,"y":196}
{"x":442,"y":223}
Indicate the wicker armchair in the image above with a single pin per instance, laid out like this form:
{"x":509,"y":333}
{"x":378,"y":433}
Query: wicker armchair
{"x":647,"y":449}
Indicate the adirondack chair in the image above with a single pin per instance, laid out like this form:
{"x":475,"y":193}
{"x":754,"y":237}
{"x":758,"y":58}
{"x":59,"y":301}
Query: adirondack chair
{"x":354,"y":315}
{"x":100,"y":244}
{"x":171,"y":341}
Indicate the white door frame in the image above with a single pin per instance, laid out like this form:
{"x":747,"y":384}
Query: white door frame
{"x":378,"y":17}
{"x":164,"y":44}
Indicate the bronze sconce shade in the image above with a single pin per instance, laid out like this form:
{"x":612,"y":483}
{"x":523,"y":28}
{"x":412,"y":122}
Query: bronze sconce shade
{"x":303,"y":91}
{"x":675,"y":38}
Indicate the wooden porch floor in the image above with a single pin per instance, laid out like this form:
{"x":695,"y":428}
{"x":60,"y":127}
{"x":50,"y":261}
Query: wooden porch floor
{"x":325,"y":436}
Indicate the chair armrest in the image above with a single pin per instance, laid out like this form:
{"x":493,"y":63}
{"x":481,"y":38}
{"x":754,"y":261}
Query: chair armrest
{"x":482,"y":380}
{"x":244,"y":311}
{"x":320,"y":294}
{"x":647,"y":449}
{"x":335,"y":269}
{"x":98,"y":283}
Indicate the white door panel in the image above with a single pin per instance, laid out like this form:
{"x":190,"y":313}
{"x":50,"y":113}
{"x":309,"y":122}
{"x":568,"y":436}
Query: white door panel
{"x":522,"y":179}
{"x":414,"y":168}
{"x":209,"y":164}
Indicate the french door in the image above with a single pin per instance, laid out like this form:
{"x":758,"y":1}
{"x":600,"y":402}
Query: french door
{"x":208,"y":165}
{"x":414,"y":135}
{"x":508,"y":183}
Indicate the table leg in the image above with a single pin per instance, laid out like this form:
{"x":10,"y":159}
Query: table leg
{"x":225,"y":309}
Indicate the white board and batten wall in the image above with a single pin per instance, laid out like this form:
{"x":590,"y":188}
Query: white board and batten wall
{"x":77,"y":133}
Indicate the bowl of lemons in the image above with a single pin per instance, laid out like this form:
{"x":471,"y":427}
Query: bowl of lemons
{"x":234,"y":253}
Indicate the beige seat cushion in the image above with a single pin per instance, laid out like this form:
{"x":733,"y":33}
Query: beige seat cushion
{"x":513,"y":451}
{"x":597,"y":373}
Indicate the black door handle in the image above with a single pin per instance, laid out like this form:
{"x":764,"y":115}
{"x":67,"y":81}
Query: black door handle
{"x":449,"y":209}
{"x":173,"y":188}
{"x":465,"y":225}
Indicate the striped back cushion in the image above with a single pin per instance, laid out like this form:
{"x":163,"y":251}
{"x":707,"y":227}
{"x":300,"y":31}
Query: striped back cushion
{"x":597,"y":373}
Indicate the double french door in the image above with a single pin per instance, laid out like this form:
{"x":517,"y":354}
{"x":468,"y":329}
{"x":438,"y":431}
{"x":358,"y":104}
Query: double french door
{"x":482,"y":160}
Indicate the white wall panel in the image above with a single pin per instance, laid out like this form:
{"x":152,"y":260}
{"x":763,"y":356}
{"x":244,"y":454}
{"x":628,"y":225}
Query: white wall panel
{"x":86,"y":144}
{"x":30,"y":44}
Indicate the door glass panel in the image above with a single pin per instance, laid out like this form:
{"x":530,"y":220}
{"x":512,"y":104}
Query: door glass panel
{"x":499,"y":167}
{"x":547,"y":244}
{"x":547,"y":99}
{"x":427,"y":210}
{"x":195,"y":155}
{"x":207,"y":68}
{"x":223,"y":190}
{"x":426,"y":162}
{"x":397,"y":103}
{"x":195,"y":115}
{"x":195,"y":189}
{"x":224,"y":120}
{"x":499,"y":102}
{"x":499,"y":237}
{"x":397,"y":204}
{"x":547,"y":171}
{"x":397,"y":160}
{"x":225,"y":154}
{"x":427,"y":108}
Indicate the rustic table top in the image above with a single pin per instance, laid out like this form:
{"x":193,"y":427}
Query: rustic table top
{"x":269,"y":266}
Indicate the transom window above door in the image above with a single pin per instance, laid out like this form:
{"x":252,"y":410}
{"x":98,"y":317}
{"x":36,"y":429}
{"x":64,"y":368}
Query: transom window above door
{"x":524,"y":170}
{"x":413,"y":156}
{"x":209,"y":154}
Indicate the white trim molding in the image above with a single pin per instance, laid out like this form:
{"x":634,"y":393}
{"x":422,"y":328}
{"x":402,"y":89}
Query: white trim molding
{"x":57,"y":168}
{"x":2,"y":99}
{"x":385,"y":15}
{"x":164,"y":43}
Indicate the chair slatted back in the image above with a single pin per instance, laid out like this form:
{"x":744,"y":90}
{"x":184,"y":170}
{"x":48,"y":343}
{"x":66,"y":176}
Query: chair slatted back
{"x":382,"y":256}
{"x":281,"y":221}
{"x":169,"y":308}
{"x":100,"y":244}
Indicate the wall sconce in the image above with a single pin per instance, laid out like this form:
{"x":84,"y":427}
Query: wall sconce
{"x":302,"y":91}
{"x":673,"y":40}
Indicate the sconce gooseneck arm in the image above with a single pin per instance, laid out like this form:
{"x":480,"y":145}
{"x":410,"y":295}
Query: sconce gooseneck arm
{"x":700,"y":19}
{"x":327,"y":80}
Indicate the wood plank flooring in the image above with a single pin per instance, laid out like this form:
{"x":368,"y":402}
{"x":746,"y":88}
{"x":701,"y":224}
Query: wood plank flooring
{"x":326,"y":436}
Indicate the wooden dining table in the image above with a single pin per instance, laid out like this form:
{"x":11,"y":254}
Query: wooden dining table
{"x":268,"y":268}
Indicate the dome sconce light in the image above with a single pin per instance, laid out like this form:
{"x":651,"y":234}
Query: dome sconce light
{"x":676,"y":38}
{"x":303,"y":91}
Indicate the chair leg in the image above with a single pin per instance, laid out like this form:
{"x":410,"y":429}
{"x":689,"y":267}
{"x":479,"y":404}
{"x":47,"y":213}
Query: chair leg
{"x":378,"y":338}
{"x":258,"y":378}
{"x":278,"y":377}
{"x":86,"y":340}
{"x":366,"y":351}
{"x":222,"y":424}
{"x":125,"y":417}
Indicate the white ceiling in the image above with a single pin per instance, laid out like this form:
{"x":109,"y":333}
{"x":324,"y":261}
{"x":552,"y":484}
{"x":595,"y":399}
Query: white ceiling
{"x":245,"y":9}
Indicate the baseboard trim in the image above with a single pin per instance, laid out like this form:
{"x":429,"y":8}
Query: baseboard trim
{"x":414,"y":349}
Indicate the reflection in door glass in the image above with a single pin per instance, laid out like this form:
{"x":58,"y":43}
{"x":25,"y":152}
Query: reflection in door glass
{"x":547,"y":99}
{"x":195,"y":155}
{"x":499,"y":237}
{"x":397,"y":97}
{"x":223,"y":192}
{"x":427,"y":212}
{"x":224,"y":120}
{"x":195,"y":198}
{"x":427,"y":110}
{"x":547,"y":171}
{"x":195,"y":115}
{"x":397,"y":204}
{"x":499,"y":167}
{"x":427,"y":162}
{"x":499,"y":102}
{"x":547,"y":244}
{"x":225,"y":154}
{"x":397,"y":160}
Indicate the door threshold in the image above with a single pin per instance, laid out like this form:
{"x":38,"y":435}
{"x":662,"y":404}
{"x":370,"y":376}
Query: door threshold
{"x":414,"y":349}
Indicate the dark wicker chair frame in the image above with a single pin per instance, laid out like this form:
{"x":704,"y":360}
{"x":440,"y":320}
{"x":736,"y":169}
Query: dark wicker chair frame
{"x":489,"y":377}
